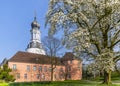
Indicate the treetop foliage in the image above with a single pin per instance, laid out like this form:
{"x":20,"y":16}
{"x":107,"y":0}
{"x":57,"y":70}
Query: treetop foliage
{"x":5,"y":73}
{"x":89,"y":26}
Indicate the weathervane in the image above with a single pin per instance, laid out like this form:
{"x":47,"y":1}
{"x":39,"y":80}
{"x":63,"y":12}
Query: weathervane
{"x":35,"y":14}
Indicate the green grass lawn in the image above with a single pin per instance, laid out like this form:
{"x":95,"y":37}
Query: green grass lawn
{"x":4,"y":84}
{"x":62,"y":83}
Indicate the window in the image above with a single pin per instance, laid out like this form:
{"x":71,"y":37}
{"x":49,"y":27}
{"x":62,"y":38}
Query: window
{"x":18,"y":75}
{"x":28,"y":67}
{"x":50,"y":69}
{"x":34,"y":68}
{"x":61,"y":69}
{"x":40,"y":68}
{"x":69,"y":68}
{"x":61,"y":76}
{"x":55,"y":76}
{"x":69,"y":76}
{"x":55,"y":69}
{"x":43,"y":76}
{"x":45,"y":68}
{"x":70,"y":61}
{"x":25,"y":76}
{"x":38,"y":76}
{"x":14,"y":67}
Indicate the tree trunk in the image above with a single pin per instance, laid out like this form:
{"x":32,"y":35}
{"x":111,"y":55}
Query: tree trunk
{"x":51,"y":72}
{"x":107,"y":77}
{"x":65,"y":76}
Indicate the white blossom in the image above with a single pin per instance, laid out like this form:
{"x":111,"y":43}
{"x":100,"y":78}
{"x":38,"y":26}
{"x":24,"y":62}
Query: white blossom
{"x":92,"y":26}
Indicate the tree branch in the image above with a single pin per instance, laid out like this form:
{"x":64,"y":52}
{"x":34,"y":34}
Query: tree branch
{"x":117,"y":58}
{"x":115,"y":35}
{"x":114,"y":44}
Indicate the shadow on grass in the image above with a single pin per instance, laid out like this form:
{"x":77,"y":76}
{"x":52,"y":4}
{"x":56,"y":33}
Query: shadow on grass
{"x":60,"y":83}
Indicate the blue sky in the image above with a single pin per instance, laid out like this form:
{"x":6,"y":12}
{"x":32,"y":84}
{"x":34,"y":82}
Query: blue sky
{"x":15,"y":24}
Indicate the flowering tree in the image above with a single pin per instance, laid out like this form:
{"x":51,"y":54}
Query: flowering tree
{"x":92,"y":26}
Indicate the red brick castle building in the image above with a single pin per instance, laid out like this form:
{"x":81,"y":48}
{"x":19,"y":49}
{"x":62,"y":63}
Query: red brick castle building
{"x":34,"y":65}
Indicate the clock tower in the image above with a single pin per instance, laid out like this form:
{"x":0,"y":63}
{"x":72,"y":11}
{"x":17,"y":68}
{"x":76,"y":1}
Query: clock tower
{"x":35,"y":45}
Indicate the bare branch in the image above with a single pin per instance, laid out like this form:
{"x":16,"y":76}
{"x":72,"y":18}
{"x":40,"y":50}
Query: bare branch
{"x":114,"y":44}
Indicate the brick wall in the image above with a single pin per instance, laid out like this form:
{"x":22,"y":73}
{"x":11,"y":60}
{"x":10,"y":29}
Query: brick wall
{"x":28,"y":72}
{"x":73,"y":70}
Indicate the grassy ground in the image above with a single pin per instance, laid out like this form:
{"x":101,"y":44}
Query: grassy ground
{"x":4,"y":84}
{"x":63,"y":83}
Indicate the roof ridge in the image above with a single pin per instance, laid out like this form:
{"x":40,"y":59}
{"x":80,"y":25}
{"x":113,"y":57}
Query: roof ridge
{"x":30,"y":53}
{"x":26,"y":57}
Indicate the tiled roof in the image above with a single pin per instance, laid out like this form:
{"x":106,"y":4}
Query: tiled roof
{"x":4,"y":62}
{"x":69,"y":56}
{"x":26,"y":57}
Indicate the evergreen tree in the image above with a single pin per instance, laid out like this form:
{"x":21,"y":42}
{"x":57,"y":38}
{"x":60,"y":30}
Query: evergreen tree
{"x":5,"y":73}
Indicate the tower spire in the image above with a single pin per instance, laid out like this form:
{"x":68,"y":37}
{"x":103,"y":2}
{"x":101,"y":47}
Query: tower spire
{"x":35,"y":23}
{"x":35,"y":15}
{"x":35,"y":45}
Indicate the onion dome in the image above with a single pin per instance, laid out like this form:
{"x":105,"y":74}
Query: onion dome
{"x":35,"y":23}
